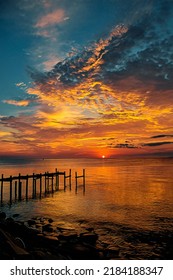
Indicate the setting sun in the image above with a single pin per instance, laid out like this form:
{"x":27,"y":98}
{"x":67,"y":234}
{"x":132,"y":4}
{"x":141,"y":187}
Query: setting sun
{"x":103,"y":156}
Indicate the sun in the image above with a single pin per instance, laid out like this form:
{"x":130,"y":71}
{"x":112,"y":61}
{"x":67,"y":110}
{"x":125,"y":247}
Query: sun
{"x":103,"y":156}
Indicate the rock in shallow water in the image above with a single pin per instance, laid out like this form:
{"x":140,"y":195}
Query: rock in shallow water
{"x":31,"y":222}
{"x":47,"y":228}
{"x":2,"y":215}
{"x":68,"y":235}
{"x":90,"y":238}
{"x":16,"y":215}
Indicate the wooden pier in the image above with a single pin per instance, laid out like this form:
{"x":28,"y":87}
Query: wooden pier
{"x":37,"y":184}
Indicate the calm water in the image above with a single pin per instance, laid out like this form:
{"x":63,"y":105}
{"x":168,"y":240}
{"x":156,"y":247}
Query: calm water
{"x":128,"y":193}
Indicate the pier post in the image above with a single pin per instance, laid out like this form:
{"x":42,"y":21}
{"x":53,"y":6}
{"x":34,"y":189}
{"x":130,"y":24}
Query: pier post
{"x":83,"y":180}
{"x":26,"y":187}
{"x":76,"y":181}
{"x":45,"y":183}
{"x":15,"y":189}
{"x":70,"y":179}
{"x":64,"y":181}
{"x":33,"y":186}
{"x":19,"y":188}
{"x":57,"y":180}
{"x":2,"y":187}
{"x":40,"y":184}
{"x":11,"y":189}
{"x":52,"y":183}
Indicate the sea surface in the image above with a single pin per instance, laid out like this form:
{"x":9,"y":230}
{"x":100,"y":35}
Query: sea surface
{"x":125,"y":200}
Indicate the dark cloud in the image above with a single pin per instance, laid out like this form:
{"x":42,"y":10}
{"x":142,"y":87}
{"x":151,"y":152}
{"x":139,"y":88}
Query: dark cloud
{"x":162,"y":136}
{"x":157,"y":144}
{"x":124,"y":145}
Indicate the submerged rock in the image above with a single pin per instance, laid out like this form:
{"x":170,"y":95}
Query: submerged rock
{"x":2,"y":215}
{"x":31,"y":222}
{"x":47,"y":228}
{"x":9,"y":220}
{"x":88,"y":237}
{"x":16,"y":215}
{"x":90,"y":229}
{"x":68,"y":235}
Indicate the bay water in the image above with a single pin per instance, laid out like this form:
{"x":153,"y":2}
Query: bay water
{"x":123,"y":197}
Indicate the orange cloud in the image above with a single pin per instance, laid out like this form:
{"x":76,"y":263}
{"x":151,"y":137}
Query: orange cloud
{"x":100,"y":49}
{"x":23,"y":103}
{"x":53,"y":18}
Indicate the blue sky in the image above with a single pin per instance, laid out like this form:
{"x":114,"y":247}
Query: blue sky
{"x":95,"y":74}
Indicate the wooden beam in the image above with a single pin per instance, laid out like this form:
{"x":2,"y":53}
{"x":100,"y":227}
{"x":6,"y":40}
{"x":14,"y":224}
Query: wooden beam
{"x":2,"y":184}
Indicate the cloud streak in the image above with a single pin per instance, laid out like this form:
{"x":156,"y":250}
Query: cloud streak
{"x":161,"y":136}
{"x":154,"y":144}
{"x":22,"y":103}
{"x":52,"y":18}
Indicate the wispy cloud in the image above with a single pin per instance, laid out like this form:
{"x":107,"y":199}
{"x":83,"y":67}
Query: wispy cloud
{"x":124,"y":145}
{"x":153,"y":144}
{"x":51,"y":18}
{"x":162,"y":136}
{"x":23,"y":103}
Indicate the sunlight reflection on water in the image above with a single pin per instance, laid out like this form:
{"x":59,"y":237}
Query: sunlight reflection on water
{"x":131,"y":192}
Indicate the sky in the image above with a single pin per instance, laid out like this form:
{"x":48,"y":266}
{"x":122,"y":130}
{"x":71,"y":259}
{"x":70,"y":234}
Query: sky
{"x":86,"y":78}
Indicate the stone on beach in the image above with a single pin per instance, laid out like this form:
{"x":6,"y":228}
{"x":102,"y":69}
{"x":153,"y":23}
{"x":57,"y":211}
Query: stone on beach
{"x":31,"y":222}
{"x":68,"y":235}
{"x":2,"y":215}
{"x":47,"y":228}
{"x":89,"y":237}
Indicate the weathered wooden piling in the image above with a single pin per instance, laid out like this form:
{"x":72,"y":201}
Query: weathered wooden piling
{"x":35,"y":187}
{"x":45,"y":174}
{"x":64,"y":181}
{"x":40,"y":184}
{"x":15,"y":190}
{"x":52,"y":184}
{"x":26,"y":187}
{"x":11,"y":194}
{"x":70,"y":179}
{"x":2,"y":182}
{"x":57,"y":180}
{"x":83,"y":180}
{"x":76,"y":182}
{"x":19,"y":188}
{"x":20,"y":191}
{"x":47,"y":188}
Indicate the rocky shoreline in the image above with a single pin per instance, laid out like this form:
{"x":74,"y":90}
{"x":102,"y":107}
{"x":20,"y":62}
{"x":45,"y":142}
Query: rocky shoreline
{"x":41,"y":238}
